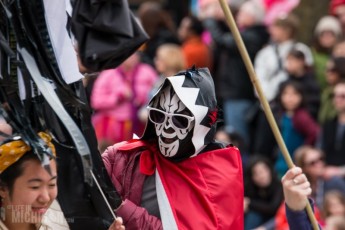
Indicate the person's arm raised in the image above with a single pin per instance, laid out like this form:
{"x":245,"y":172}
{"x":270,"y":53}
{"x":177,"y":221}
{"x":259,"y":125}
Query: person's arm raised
{"x":296,"y":189}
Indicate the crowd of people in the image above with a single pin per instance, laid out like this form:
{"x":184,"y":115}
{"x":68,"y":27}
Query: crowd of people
{"x":303,"y":83}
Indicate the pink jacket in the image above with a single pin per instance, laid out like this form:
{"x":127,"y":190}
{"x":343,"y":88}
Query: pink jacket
{"x":123,"y":169}
{"x":112,"y":94}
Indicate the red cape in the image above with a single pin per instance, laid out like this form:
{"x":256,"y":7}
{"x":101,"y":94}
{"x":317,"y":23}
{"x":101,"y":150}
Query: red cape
{"x":204,"y":192}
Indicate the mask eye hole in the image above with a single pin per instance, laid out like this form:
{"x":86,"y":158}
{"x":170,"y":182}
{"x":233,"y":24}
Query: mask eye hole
{"x":156,"y":116}
{"x":180,"y":121}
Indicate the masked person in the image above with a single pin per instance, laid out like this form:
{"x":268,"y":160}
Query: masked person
{"x":176,"y":176}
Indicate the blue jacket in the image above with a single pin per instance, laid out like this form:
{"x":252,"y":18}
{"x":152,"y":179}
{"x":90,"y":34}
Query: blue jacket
{"x":298,"y":220}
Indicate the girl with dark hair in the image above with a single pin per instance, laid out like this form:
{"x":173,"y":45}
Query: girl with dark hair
{"x":299,"y":71}
{"x":263,"y":192}
{"x":333,"y":205}
{"x":28,"y":190}
{"x":296,"y":124}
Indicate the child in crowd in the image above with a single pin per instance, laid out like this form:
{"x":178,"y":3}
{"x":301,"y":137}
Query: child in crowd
{"x":169,"y":59}
{"x":263,"y":192}
{"x":333,"y":204}
{"x":299,"y":71}
{"x":296,"y":123}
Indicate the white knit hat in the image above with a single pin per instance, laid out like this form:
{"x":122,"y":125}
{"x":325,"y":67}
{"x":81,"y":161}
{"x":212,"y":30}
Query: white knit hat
{"x":254,"y":8}
{"x":328,"y":23}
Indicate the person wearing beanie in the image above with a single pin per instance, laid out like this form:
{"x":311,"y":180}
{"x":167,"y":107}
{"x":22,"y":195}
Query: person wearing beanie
{"x":327,"y":34}
{"x":329,"y":23}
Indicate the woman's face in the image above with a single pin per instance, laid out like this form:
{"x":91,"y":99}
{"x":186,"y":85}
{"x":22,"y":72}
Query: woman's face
{"x":291,"y":99}
{"x":327,"y":39}
{"x":313,"y":164}
{"x":32,"y":194}
{"x":261,"y":175}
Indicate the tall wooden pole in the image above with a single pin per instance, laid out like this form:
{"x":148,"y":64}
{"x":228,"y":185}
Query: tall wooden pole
{"x":267,"y":110}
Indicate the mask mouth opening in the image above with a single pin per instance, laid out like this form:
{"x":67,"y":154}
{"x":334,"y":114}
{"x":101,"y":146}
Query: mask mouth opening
{"x":168,"y":140}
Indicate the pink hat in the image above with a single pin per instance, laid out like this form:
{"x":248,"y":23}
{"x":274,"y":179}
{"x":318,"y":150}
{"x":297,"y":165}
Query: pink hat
{"x":276,"y":8}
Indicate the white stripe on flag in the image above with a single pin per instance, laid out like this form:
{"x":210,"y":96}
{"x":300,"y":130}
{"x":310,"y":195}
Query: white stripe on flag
{"x":167,"y":216}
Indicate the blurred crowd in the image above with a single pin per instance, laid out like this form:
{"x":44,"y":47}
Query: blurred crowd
{"x":303,"y":83}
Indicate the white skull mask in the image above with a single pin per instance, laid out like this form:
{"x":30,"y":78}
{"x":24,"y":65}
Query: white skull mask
{"x":173,"y":122}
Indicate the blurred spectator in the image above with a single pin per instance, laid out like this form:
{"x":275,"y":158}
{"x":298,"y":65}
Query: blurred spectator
{"x":229,"y":136}
{"x":212,"y":8}
{"x":270,"y":61}
{"x":195,"y":51}
{"x":116,"y":97}
{"x":233,"y":84}
{"x":333,"y":134}
{"x":311,"y":160}
{"x":159,"y":26}
{"x":276,"y":8}
{"x":269,"y":66}
{"x":335,"y":71}
{"x":339,"y":49}
{"x":263,"y":192}
{"x":296,"y":124}
{"x":300,"y":72}
{"x":337,"y":8}
{"x":169,"y":60}
{"x":333,"y":205}
{"x":223,"y":136}
{"x":326,"y":35}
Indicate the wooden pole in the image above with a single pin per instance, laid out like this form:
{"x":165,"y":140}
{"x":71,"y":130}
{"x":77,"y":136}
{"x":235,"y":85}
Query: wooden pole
{"x":267,"y":110}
